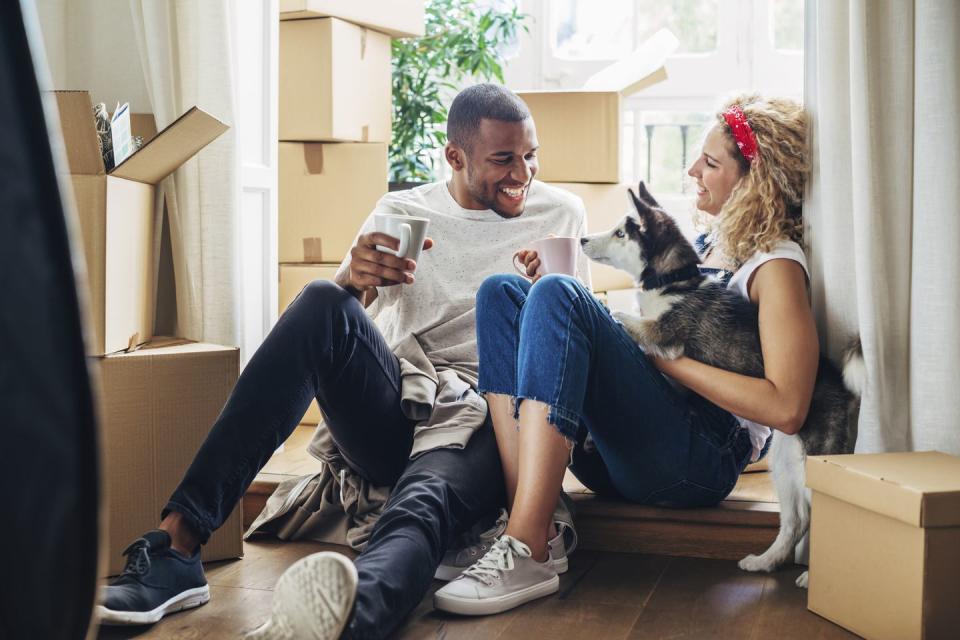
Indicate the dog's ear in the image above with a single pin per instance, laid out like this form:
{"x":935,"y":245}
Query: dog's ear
{"x":644,"y":211}
{"x":646,"y":196}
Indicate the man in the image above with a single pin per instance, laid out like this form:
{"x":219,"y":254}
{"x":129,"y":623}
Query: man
{"x":364,"y":368}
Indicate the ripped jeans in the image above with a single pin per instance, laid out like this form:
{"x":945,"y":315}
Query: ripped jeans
{"x":652,"y":443}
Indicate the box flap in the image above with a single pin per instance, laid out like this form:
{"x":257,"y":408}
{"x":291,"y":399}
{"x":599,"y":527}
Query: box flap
{"x":920,"y":488}
{"x":642,"y":68}
{"x":170,"y":148}
{"x":79,"y":132}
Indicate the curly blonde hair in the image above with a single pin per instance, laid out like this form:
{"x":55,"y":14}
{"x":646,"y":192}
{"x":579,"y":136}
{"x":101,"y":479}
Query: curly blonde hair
{"x":764,"y":207}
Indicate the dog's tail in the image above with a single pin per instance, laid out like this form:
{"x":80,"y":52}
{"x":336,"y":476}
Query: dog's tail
{"x":854,"y":368}
{"x":855,"y":380}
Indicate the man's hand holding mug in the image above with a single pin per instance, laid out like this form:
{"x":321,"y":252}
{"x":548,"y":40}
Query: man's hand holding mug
{"x":388,"y":256}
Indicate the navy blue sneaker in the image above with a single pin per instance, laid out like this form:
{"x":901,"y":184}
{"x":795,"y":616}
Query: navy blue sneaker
{"x":156,"y":580}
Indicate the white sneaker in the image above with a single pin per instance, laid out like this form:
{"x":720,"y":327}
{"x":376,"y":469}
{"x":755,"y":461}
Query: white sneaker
{"x":313,"y":600}
{"x":506,"y":577}
{"x":455,"y":561}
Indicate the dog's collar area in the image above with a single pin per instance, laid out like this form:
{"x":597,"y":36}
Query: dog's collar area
{"x":656,"y":281}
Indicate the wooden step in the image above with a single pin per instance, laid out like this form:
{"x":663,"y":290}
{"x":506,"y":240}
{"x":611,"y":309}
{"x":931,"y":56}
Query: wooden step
{"x":746,"y":522}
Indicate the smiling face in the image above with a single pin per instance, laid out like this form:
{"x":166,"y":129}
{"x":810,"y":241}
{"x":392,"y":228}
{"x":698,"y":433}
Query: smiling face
{"x":716,"y":172}
{"x":496,"y":170}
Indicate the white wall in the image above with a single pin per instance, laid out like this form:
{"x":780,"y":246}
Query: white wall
{"x":90,"y":45}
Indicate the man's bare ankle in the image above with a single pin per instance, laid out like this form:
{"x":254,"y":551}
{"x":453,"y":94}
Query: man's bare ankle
{"x":183,"y":538}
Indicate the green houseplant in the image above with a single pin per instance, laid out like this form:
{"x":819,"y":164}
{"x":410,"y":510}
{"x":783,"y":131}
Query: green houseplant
{"x":461,"y":41}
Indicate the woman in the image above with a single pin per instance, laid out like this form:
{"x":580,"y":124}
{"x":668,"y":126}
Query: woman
{"x":555,"y":351}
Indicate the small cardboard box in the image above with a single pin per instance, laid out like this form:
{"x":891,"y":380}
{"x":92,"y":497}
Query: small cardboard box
{"x":885,"y":543}
{"x":293,"y":278}
{"x":580,"y":131}
{"x":327,"y":191}
{"x":334,"y":82}
{"x":157,"y":405}
{"x":116,"y":210}
{"x":398,"y":18}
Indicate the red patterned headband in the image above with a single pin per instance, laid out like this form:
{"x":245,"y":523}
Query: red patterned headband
{"x":742,"y":133}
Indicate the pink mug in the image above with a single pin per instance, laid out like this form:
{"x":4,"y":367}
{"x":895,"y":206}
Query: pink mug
{"x":557,"y":255}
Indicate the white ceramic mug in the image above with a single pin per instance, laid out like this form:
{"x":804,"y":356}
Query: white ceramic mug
{"x":410,"y":231}
{"x":557,"y":255}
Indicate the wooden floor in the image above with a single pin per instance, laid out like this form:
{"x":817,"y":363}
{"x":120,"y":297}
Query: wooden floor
{"x":604,"y":595}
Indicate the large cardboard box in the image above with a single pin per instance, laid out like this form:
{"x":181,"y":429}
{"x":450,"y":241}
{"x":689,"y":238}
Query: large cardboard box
{"x":327,"y":191}
{"x":398,"y":18}
{"x":293,"y":278}
{"x":885,"y":543}
{"x":116,"y":210}
{"x":157,"y":405}
{"x":335,"y":82}
{"x":580,"y":131}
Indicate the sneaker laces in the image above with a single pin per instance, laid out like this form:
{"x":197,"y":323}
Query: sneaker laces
{"x":471,"y":540}
{"x":138,"y":558}
{"x":500,"y":558}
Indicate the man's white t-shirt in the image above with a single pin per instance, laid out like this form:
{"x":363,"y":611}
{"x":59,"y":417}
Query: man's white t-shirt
{"x":469,"y":245}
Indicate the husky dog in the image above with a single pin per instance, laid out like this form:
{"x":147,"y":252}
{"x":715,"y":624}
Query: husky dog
{"x":687,"y":313}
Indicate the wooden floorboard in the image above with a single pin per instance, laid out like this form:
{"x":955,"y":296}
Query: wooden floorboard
{"x":604,"y":596}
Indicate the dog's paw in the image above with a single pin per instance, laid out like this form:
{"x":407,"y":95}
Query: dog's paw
{"x":624,"y":317}
{"x":756,"y":563}
{"x":803,"y":580}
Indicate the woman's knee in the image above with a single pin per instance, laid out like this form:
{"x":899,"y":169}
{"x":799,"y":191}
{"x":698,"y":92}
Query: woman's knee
{"x":557,"y":286}
{"x":501,"y":289}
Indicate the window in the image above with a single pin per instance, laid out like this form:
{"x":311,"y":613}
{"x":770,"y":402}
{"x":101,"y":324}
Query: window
{"x":726,"y":46}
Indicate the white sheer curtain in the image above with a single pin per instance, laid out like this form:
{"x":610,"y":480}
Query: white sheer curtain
{"x":188,"y":59}
{"x":883,"y":226}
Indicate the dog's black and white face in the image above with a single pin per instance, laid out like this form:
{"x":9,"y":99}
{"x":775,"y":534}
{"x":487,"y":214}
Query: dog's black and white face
{"x":643,"y":243}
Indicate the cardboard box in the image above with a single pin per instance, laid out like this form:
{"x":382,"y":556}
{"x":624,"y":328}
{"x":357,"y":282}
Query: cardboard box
{"x":885,"y":543}
{"x":157,"y":405}
{"x":293,"y":278}
{"x":580,"y":131}
{"x":335,"y":82}
{"x":398,"y":18}
{"x":327,"y":191}
{"x":116,"y":213}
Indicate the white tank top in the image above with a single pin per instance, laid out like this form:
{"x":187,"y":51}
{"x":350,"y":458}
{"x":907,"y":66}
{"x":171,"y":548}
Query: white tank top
{"x":739,"y":282}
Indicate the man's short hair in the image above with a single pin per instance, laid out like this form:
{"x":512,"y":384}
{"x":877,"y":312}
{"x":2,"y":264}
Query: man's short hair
{"x":491,"y":101}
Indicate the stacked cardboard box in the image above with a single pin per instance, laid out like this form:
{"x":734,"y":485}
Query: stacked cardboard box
{"x":585,"y":158}
{"x":156,"y":402}
{"x":335,"y":115}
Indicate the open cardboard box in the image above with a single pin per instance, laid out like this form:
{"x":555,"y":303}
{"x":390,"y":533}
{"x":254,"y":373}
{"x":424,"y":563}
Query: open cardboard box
{"x":334,"y":82}
{"x":116,"y":214}
{"x":397,"y":18}
{"x":580,"y":130}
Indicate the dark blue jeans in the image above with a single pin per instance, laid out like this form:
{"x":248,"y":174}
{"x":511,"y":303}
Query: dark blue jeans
{"x":654,"y":444}
{"x":325,"y":346}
